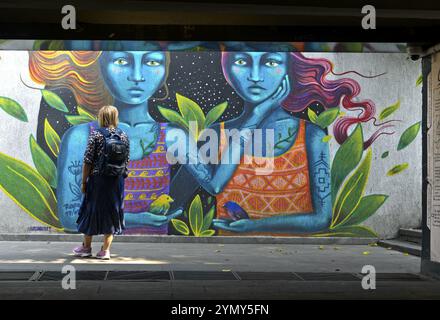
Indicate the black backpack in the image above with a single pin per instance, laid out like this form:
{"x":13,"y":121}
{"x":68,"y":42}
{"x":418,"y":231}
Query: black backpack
{"x":112,"y":160}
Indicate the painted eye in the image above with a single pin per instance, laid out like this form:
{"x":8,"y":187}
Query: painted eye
{"x":240,"y":62}
{"x":120,"y":62}
{"x":272,"y":63}
{"x":152,"y":63}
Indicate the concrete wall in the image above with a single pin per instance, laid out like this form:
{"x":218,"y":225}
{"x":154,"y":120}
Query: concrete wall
{"x":403,"y":205}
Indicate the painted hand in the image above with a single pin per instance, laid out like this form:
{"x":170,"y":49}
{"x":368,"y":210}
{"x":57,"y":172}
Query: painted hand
{"x":154,"y":220}
{"x":243,"y":225}
{"x":275,"y":100}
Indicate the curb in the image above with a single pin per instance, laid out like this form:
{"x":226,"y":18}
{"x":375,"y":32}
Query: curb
{"x":185,"y":239}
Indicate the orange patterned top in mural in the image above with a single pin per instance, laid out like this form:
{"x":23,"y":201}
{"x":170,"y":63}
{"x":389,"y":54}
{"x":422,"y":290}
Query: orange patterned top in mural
{"x":286,"y":190}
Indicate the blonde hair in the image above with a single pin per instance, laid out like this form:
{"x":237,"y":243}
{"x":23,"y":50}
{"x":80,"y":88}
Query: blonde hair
{"x":108,"y":117}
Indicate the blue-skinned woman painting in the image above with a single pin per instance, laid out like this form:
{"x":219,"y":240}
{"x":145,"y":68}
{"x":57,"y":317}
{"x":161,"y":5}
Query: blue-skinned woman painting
{"x":295,"y":197}
{"x":126,"y":79}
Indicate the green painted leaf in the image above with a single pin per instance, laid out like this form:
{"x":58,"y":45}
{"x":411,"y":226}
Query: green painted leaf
{"x":327,"y":138}
{"x":346,"y":159}
{"x":389,"y":110}
{"x":83,"y":112}
{"x":52,"y":138}
{"x":352,"y":191}
{"x":54,"y":100}
{"x":38,"y":44}
{"x":397,"y":169}
{"x":196,"y":216}
{"x":13,"y":108}
{"x":215,"y":113}
{"x":173,"y":117}
{"x":408,"y":136}
{"x":385,"y":154}
{"x":312,"y":115}
{"x":419,"y":80}
{"x":207,"y":233}
{"x":207,"y":219}
{"x":366,"y":208}
{"x":327,"y":117}
{"x":191,"y":112}
{"x":43,"y":163}
{"x":180,"y":226}
{"x":349,"y":231}
{"x":76,"y":120}
{"x":29,"y":190}
{"x":56,"y":45}
{"x":353,"y":46}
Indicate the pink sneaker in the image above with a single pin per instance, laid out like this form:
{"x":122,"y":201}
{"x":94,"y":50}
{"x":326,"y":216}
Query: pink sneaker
{"x":82,"y":252}
{"x":103,"y":255}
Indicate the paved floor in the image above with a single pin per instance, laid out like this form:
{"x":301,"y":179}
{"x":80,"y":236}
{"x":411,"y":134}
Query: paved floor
{"x":213,"y":271}
{"x":213,"y":257}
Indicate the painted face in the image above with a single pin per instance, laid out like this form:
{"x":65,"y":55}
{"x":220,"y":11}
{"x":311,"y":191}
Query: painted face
{"x":255,"y":75}
{"x":133,"y":77}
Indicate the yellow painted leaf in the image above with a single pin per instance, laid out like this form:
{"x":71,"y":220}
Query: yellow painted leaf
{"x":52,"y":138}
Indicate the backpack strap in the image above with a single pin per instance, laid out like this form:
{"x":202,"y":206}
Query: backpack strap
{"x":104,"y":132}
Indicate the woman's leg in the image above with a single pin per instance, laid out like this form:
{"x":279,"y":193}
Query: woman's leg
{"x":87,"y":241}
{"x":108,"y":238}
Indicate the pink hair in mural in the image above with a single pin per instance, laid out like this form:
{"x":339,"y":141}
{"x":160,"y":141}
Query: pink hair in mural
{"x":309,"y":85}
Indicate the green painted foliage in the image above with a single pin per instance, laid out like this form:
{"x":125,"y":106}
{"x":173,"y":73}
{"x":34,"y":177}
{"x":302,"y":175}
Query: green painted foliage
{"x":419,"y":80}
{"x":385,"y":154}
{"x":26,"y":187}
{"x":43,"y":163}
{"x":173,"y":116}
{"x":312,"y":115}
{"x":327,"y":117}
{"x":54,"y":100}
{"x":352,"y":191}
{"x":348,"y":231}
{"x":346,"y":159}
{"x":52,"y":138}
{"x":366,"y":208}
{"x":207,"y":219}
{"x":397,"y":169}
{"x":180,"y":226}
{"x":389,"y":110}
{"x":196,"y":216}
{"x":191,"y":112}
{"x":408,"y":136}
{"x":13,"y":108}
{"x":214,"y":114}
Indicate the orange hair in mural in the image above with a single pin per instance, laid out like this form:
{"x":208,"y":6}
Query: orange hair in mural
{"x":76,"y":70}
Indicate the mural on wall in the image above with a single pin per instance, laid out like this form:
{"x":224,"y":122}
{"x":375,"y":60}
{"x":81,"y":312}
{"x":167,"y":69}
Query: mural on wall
{"x":160,"y":94}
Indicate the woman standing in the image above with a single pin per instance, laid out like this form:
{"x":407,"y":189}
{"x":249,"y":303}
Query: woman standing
{"x":101,"y":211}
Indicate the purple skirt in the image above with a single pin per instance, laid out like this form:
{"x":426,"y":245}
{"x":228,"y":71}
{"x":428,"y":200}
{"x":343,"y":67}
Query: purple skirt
{"x":101,"y":210}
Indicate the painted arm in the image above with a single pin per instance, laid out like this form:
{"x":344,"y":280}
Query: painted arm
{"x":211,"y":176}
{"x":214,"y":177}
{"x":69,"y":167}
{"x":319,"y":173}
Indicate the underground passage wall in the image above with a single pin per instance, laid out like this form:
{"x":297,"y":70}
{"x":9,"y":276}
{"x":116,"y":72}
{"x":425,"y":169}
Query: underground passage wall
{"x":346,"y":126}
